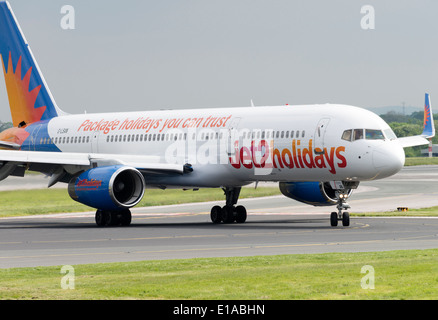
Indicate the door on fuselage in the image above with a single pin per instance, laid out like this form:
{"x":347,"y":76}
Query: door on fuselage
{"x":318,"y":140}
{"x":233,"y":136}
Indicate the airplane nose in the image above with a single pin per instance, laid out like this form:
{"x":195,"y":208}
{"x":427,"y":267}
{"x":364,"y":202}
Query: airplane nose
{"x":388,"y":159}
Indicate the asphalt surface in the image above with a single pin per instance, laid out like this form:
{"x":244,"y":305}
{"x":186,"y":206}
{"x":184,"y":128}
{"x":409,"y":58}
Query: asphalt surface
{"x":275,"y":225}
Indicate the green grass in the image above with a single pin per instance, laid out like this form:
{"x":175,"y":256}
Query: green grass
{"x":411,"y":274}
{"x":422,"y":212}
{"x":42,"y":201}
{"x":415,"y":161}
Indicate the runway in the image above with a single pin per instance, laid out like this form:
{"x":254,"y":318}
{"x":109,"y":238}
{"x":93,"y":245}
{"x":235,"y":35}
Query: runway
{"x":275,"y":225}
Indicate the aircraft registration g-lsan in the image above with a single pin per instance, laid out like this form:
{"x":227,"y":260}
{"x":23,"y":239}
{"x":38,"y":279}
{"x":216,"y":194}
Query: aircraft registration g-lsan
{"x":317,"y":153}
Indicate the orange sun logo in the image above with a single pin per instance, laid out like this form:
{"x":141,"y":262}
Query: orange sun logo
{"x":426,"y":115}
{"x":21,"y":100}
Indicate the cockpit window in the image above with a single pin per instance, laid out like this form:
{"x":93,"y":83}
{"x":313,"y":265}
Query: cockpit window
{"x":358,"y":134}
{"x":347,"y":135}
{"x":371,"y":134}
{"x":390,"y":134}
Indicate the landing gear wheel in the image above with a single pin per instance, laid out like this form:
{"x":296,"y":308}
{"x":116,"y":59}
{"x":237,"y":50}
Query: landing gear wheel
{"x":111,"y":218}
{"x":228,"y":214}
{"x":216,"y":214}
{"x":106,"y":218}
{"x":240,"y":214}
{"x":100,"y":218}
{"x":125,"y":218}
{"x":334,"y":219}
{"x":346,"y":219}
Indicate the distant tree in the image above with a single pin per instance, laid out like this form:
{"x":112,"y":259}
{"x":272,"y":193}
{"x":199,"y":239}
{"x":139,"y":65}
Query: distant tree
{"x":5,"y":125}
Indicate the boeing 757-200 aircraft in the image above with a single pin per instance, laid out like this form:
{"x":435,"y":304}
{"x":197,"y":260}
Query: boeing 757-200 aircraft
{"x":317,"y":153}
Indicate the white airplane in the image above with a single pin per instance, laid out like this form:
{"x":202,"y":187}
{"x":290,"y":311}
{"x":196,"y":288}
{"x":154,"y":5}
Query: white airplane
{"x":317,"y":153}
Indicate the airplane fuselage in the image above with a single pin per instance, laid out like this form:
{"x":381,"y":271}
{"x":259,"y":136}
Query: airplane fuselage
{"x":235,"y":146}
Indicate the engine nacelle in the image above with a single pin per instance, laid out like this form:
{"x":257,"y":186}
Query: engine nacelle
{"x":108,"y":188}
{"x":314,"y":193}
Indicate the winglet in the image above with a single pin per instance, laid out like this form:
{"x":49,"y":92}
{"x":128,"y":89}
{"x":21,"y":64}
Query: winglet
{"x":428,"y":126}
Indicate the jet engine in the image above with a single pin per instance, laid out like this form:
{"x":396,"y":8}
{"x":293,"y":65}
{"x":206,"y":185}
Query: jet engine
{"x":314,"y":193}
{"x":108,"y":188}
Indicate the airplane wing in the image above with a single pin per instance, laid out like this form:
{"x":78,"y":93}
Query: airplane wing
{"x":145,"y":164}
{"x":428,"y":128}
{"x":9,"y":145}
{"x":413,"y":141}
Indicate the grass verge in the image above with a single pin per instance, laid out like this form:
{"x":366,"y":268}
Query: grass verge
{"x":422,"y":212}
{"x":416,"y":161}
{"x":410,"y":274}
{"x":42,"y":201}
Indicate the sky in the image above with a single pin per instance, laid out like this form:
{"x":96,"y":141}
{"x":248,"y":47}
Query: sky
{"x":137,"y":55}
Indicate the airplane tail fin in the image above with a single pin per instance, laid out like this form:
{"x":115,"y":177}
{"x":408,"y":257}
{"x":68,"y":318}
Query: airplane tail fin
{"x":30,"y":99}
{"x":428,"y":128}
{"x":428,"y":125}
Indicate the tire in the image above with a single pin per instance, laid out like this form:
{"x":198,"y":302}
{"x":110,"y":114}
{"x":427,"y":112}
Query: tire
{"x":216,"y":214}
{"x":110,"y":218}
{"x":99,"y":218}
{"x":346,"y":219}
{"x":227,"y":214}
{"x":334,"y":219}
{"x":241,"y":214}
{"x":126,"y":218}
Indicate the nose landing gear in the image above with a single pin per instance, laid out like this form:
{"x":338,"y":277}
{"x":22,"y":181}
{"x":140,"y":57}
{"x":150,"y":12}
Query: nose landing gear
{"x":342,"y":205}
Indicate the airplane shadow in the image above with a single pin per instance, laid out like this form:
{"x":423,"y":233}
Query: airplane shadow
{"x":272,"y":224}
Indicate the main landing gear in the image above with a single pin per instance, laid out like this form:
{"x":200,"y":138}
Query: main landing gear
{"x":106,"y":218}
{"x":341,"y":216}
{"x":229,"y":213}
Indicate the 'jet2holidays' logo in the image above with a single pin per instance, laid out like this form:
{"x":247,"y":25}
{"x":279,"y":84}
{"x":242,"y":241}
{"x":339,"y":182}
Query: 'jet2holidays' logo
{"x":263,"y":155}
{"x":86,"y":184}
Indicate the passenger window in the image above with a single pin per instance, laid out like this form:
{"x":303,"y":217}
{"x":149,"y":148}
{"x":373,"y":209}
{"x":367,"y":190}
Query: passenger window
{"x":347,"y":135}
{"x":298,"y":134}
{"x":358,"y":134}
{"x":303,"y":134}
{"x":371,"y":134}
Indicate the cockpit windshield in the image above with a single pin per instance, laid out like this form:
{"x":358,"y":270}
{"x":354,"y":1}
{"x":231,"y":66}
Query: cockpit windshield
{"x":368,"y":134}
{"x":371,"y":134}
